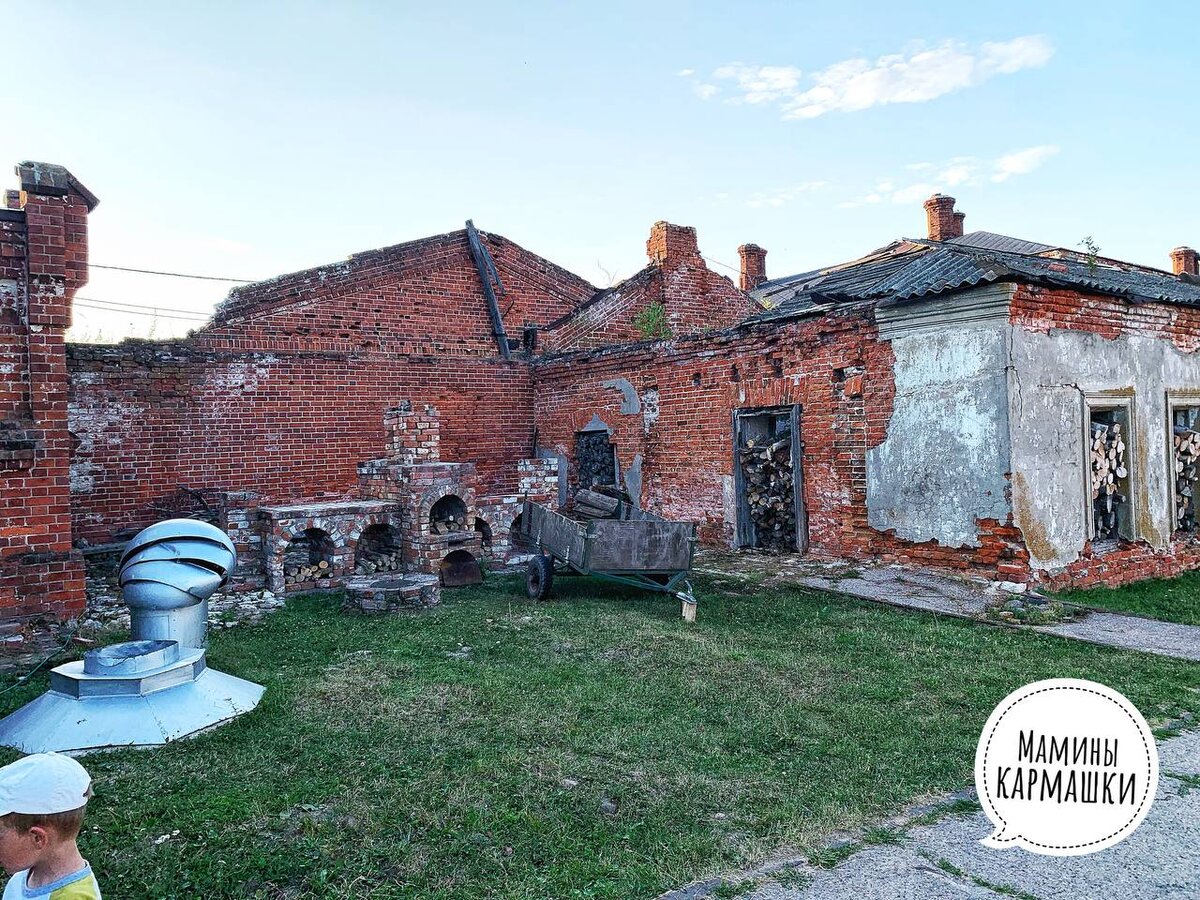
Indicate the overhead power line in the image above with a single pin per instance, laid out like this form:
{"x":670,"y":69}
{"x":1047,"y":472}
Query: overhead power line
{"x":152,"y":306}
{"x":171,"y":274}
{"x":133,"y":312}
{"x":721,"y":264}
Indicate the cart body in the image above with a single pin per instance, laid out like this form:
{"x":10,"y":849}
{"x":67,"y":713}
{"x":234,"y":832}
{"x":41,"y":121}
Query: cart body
{"x":639,"y":549}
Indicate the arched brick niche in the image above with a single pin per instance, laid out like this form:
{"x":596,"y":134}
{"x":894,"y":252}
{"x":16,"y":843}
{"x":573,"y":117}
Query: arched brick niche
{"x":297,"y":539}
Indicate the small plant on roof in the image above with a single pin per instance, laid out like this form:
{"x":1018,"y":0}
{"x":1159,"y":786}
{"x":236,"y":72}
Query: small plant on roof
{"x":652,"y":323}
{"x":1093,"y":252}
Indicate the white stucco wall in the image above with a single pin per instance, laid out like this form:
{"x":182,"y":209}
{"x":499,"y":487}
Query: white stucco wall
{"x":942,"y":466}
{"x":1051,"y":374}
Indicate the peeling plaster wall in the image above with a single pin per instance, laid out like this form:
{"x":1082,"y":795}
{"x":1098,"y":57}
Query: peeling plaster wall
{"x":942,"y":467}
{"x":1051,"y":374}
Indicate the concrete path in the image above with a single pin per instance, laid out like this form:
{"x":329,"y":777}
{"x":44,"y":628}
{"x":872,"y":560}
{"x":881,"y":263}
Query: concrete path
{"x":945,"y":860}
{"x":1133,"y":633}
{"x":935,"y":593}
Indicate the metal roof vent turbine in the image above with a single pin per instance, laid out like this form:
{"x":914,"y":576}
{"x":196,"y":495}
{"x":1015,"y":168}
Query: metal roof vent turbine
{"x":157,"y":687}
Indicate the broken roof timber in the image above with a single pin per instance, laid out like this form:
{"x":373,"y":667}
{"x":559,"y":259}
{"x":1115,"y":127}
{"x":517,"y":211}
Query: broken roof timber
{"x":487,"y":274}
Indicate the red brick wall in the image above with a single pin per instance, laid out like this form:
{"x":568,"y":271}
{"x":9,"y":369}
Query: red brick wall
{"x":43,"y":261}
{"x":693,"y":297}
{"x":285,"y":393}
{"x":1041,"y":309}
{"x":292,"y":426}
{"x":834,"y":366}
{"x":421,"y":297}
{"x":14,"y":354}
{"x":1128,"y":563}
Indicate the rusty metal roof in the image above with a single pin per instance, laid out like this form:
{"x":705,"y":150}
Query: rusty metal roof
{"x":909,"y":270}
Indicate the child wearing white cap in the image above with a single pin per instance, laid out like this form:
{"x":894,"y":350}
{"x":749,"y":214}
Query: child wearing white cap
{"x":42,"y":799}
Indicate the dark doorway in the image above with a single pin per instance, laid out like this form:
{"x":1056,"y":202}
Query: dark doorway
{"x":768,"y":479}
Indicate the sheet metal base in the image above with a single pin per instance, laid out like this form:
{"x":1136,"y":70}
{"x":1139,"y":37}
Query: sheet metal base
{"x":84,"y":712}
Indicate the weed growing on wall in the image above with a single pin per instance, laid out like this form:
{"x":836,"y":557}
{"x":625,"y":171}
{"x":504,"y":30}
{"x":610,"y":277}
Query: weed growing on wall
{"x":652,"y":323}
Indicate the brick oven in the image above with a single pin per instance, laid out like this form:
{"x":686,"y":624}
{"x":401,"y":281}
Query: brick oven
{"x":436,"y":499}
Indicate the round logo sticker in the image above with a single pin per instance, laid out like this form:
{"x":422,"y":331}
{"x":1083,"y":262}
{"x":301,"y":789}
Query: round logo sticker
{"x":1065,"y":767}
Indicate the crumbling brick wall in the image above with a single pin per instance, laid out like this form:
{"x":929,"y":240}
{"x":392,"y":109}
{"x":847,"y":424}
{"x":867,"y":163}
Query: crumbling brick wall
{"x":679,"y":440}
{"x":291,"y":426}
{"x":1096,"y":332}
{"x":686,"y":391}
{"x":43,"y":262}
{"x":285,"y":392}
{"x":691,"y":296}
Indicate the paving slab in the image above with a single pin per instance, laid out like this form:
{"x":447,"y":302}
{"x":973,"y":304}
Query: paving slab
{"x":928,"y":592}
{"x":1159,"y":861}
{"x":898,"y":873}
{"x":1132,"y":633}
{"x":911,"y":590}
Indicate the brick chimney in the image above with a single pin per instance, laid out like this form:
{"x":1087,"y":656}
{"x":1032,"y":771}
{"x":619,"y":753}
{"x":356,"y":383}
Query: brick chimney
{"x":944,"y":223}
{"x":754,"y":266}
{"x":1185,"y":261}
{"x":670,"y":244}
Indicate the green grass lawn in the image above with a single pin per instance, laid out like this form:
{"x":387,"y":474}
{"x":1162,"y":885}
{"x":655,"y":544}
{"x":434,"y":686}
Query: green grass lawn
{"x":595,"y":746}
{"x":1169,"y":599}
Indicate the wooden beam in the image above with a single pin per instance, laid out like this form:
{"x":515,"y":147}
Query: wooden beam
{"x":487,"y":271}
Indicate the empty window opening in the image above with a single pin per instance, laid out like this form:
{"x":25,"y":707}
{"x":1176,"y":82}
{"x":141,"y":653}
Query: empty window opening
{"x":1185,"y":455}
{"x":1108,"y":434}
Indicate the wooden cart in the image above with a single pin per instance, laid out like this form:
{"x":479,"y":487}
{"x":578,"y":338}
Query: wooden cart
{"x":639,"y":549}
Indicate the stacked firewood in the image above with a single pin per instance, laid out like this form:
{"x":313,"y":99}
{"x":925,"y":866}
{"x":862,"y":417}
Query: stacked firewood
{"x":1187,"y":473}
{"x":600,"y":503}
{"x":301,"y":574}
{"x":770,"y":492}
{"x":1108,"y":473}
{"x":595,"y":459}
{"x":372,"y":561}
{"x":449,"y":524}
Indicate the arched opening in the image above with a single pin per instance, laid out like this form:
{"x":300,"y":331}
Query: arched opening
{"x":516,"y":539}
{"x":459,"y":567}
{"x":378,"y":550}
{"x":485,"y":534}
{"x":448,"y":515}
{"x":308,"y":558}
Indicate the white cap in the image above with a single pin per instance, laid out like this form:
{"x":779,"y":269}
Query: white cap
{"x":42,"y":784}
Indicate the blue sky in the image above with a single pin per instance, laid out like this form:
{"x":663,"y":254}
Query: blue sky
{"x":251,"y":139}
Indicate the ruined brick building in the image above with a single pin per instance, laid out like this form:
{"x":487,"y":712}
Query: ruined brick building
{"x":964,"y":401}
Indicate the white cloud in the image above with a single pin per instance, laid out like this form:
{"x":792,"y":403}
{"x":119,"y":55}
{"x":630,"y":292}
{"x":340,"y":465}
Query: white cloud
{"x":921,"y":74}
{"x":760,"y":84}
{"x":686,"y":73}
{"x":706,"y":91}
{"x":1026,"y":52}
{"x":1022,"y":162}
{"x":959,"y":171}
{"x":914,"y":193}
{"x":783,"y":195}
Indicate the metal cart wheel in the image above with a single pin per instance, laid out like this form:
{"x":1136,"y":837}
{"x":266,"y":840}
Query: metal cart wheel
{"x":539,"y":577}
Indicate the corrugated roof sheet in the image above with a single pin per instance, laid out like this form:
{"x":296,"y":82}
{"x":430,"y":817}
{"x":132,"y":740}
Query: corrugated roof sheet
{"x":909,"y":270}
{"x":987,"y":240}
